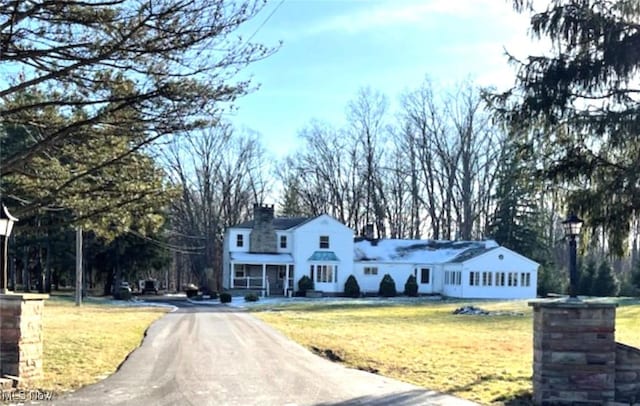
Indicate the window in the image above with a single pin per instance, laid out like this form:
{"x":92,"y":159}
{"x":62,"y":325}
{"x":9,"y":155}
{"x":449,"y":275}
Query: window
{"x":453,"y":278}
{"x":486,"y":278}
{"x":311,"y":272}
{"x":474,"y":278}
{"x":525,"y":279}
{"x":500,"y":279}
{"x":240,"y":271}
{"x":424,"y":275}
{"x":370,"y":270}
{"x":324,"y":273}
{"x":324,"y":241}
{"x":239,"y":240}
{"x":283,"y":241}
{"x":512,"y":279}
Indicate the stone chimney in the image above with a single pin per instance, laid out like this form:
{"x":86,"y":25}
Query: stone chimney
{"x":263,"y":235}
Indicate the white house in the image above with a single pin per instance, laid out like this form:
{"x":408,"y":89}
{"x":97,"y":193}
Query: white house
{"x":464,"y":269}
{"x":271,"y":254}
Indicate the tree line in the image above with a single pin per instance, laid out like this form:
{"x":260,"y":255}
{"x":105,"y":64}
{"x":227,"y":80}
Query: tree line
{"x":111,"y":120}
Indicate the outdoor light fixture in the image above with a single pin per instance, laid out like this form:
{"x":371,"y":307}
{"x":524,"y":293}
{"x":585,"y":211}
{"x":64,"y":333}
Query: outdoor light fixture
{"x":572,"y":227}
{"x":6,"y":226}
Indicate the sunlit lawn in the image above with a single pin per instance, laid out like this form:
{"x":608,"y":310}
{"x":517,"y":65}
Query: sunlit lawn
{"x":482,"y":358}
{"x":85,"y":344}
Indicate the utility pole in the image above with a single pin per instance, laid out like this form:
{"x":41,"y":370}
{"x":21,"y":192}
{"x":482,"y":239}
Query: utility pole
{"x":78,"y":266}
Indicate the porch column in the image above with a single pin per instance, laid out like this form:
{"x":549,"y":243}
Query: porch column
{"x":286,"y":279}
{"x":264,"y":279}
{"x":232,"y":272}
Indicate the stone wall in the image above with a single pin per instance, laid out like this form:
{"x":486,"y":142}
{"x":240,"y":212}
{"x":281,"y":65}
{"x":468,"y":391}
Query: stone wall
{"x":21,"y":337}
{"x":574,"y":352}
{"x":576,"y":359}
{"x":627,"y":374}
{"x":263,"y":235}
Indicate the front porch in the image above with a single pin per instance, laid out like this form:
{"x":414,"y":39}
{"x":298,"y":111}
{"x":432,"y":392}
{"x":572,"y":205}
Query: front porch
{"x":271,"y":274}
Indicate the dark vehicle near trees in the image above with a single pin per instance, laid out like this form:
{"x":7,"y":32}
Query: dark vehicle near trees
{"x":150,"y":286}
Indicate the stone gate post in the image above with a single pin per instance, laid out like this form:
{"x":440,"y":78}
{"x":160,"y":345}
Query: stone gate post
{"x":574,"y":352}
{"x":21,"y":337}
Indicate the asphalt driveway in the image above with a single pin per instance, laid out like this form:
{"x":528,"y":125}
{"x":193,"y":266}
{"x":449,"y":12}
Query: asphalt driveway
{"x":217,"y":355}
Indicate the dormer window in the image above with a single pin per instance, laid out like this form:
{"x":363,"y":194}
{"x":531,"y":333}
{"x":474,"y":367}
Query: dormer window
{"x":283,"y":241}
{"x":239,"y":240}
{"x":324,"y":241}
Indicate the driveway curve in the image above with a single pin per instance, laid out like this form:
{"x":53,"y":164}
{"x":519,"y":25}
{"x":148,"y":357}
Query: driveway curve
{"x":217,"y":355}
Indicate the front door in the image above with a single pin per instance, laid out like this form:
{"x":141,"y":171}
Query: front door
{"x":275,"y":282}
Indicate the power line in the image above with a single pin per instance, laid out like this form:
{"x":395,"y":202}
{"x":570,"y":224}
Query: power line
{"x":169,"y":247}
{"x":264,"y":22}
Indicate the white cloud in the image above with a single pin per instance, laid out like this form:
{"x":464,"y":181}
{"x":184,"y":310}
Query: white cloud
{"x":402,"y":13}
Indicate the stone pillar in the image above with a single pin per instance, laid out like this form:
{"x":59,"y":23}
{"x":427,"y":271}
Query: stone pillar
{"x":21,"y":337}
{"x":574,"y":352}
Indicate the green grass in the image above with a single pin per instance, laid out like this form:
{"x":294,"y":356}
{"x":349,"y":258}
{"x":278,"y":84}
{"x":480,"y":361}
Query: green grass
{"x":83,"y":345}
{"x":487,"y":359}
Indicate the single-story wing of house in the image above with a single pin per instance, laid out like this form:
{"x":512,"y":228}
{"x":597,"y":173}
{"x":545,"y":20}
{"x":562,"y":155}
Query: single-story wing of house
{"x":270,"y":254}
{"x":463,"y":269}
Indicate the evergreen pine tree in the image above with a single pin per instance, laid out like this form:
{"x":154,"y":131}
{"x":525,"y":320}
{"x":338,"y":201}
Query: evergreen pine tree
{"x":580,"y":97}
{"x":550,"y":280}
{"x":516,"y":222}
{"x":587,"y":279}
{"x":605,"y":283}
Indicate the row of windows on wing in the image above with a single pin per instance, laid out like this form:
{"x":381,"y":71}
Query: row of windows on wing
{"x":500,"y":279}
{"x":455,"y":277}
{"x":323,"y":243}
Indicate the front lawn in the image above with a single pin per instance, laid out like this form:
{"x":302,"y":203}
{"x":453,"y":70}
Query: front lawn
{"x":83,"y":345}
{"x":487,"y":359}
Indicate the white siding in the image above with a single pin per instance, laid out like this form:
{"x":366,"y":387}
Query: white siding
{"x":306,"y":240}
{"x":233,"y":240}
{"x":371,"y":283}
{"x":289,"y":236}
{"x":225,"y":262}
{"x":498,"y":261}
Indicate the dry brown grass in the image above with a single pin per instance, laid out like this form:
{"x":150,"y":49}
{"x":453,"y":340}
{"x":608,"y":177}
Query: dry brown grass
{"x":85,"y":344}
{"x":482,"y":358}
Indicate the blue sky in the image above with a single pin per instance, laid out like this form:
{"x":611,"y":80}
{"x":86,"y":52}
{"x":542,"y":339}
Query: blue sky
{"x":332,"y":48}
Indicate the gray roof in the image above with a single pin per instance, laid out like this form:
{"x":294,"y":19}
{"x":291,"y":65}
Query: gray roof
{"x":471,"y":253}
{"x":420,"y":251}
{"x":279,"y":223}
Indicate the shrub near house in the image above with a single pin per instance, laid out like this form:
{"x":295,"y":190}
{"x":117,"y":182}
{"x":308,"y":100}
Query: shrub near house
{"x":411,"y":286}
{"x":304,"y":284}
{"x":351,"y":287}
{"x":387,"y":287}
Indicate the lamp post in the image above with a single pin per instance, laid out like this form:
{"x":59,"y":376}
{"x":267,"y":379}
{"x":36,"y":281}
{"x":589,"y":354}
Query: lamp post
{"x":6,"y":226}
{"x":572,"y":227}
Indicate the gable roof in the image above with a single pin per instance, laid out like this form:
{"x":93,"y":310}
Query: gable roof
{"x":505,"y":250}
{"x":420,"y":251}
{"x":279,"y":223}
{"x":325,"y":219}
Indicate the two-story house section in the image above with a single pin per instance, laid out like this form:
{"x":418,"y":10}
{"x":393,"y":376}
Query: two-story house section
{"x":271,"y":254}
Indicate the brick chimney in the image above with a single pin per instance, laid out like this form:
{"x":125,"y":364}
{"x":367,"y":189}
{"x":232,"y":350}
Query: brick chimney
{"x":263,"y":235}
